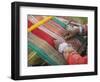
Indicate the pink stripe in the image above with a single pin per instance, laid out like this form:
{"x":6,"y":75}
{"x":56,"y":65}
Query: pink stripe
{"x":57,"y":25}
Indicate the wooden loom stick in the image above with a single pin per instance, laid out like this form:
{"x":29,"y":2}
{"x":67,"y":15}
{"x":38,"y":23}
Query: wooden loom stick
{"x":39,"y":23}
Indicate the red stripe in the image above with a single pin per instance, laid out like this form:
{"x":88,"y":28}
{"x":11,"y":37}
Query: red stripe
{"x":43,"y":35}
{"x":29,"y":24}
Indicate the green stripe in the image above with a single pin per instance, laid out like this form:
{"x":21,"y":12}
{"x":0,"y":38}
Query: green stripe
{"x":41,"y":53}
{"x":59,"y":22}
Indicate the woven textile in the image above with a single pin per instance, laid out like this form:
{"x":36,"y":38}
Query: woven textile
{"x":46,"y":33}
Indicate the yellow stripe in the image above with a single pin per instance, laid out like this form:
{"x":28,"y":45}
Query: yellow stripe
{"x":31,"y":55}
{"x":39,"y":23}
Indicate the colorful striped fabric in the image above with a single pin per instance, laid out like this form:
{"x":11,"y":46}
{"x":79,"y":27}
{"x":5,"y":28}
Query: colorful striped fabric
{"x":32,"y":20}
{"x":44,"y":36}
{"x":45,"y":33}
{"x":34,"y":59}
{"x":49,"y":26}
{"x":49,"y":50}
{"x":41,"y":53}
